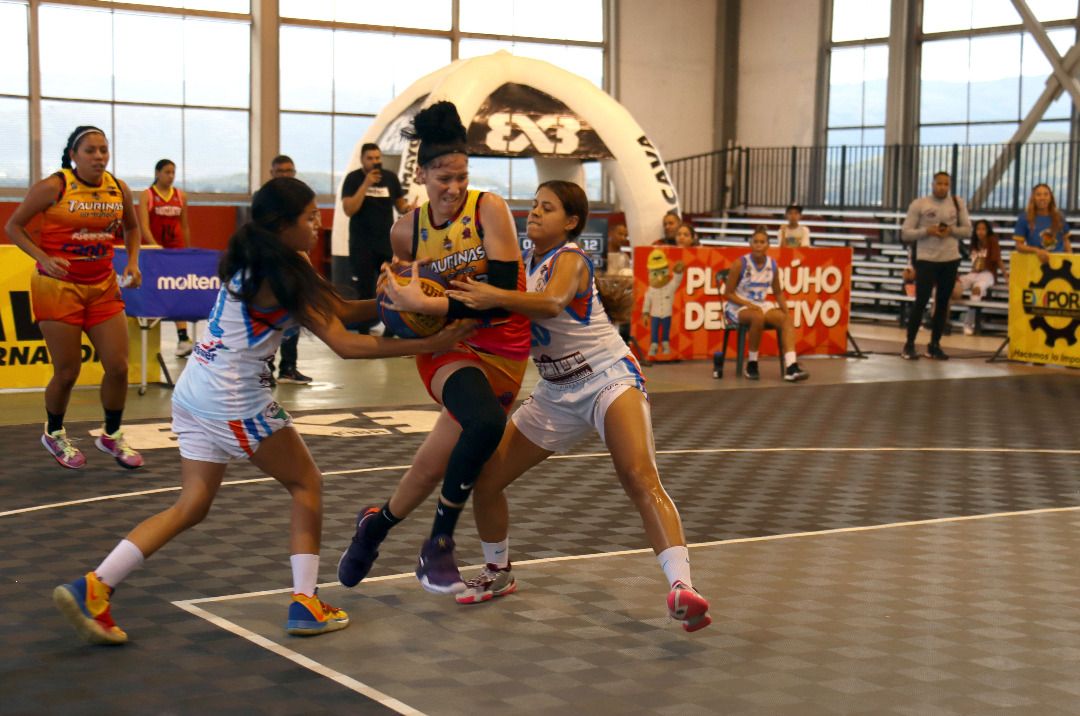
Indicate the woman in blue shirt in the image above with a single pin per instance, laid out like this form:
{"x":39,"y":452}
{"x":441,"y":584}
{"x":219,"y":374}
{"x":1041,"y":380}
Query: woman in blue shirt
{"x":1042,"y":230}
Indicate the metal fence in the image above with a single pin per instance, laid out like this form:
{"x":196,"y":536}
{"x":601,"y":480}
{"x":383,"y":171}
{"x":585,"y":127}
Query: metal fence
{"x":992,"y":177}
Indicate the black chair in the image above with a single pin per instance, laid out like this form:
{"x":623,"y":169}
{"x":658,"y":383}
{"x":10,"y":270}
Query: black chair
{"x":741,"y":330}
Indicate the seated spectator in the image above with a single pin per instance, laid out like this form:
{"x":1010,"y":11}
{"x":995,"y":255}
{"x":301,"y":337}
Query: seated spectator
{"x":793,"y":234}
{"x":751,"y":279}
{"x":1041,"y":230}
{"x":618,"y":261}
{"x":685,"y":236}
{"x":985,"y":265}
{"x":671,"y":224}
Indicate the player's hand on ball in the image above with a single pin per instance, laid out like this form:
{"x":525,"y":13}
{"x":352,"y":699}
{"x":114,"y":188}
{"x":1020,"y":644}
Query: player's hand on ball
{"x":474,"y":294}
{"x":407,"y":296}
{"x":452,"y":334}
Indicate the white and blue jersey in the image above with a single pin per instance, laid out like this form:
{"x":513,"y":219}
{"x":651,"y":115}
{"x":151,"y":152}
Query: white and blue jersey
{"x":581,"y":340}
{"x":754,"y":284}
{"x":227,"y":377}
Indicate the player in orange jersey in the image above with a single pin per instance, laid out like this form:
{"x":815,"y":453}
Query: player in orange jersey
{"x":83,"y":207}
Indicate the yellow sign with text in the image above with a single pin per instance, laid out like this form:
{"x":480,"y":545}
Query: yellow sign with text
{"x":24,"y":360}
{"x":1044,"y":309}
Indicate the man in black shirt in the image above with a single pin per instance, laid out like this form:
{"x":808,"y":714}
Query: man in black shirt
{"x":369,"y":196}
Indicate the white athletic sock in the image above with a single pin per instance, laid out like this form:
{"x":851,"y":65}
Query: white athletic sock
{"x":305,"y":573}
{"x":122,"y":561}
{"x":790,"y":358}
{"x":675,"y":561}
{"x":497,"y":553}
{"x":753,"y":355}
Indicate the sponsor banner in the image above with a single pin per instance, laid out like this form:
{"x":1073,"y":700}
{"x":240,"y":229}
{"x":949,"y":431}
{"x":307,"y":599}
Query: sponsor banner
{"x":177,"y":284}
{"x":688,"y":286}
{"x":24,"y":360}
{"x":520,"y":121}
{"x":1044,"y":309}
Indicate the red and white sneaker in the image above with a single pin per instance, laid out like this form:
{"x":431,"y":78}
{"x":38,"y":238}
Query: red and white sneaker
{"x":685,"y":604}
{"x":117,"y":446}
{"x":60,"y":447}
{"x":490,"y":583}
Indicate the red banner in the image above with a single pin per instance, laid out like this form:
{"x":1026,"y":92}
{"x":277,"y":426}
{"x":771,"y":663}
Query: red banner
{"x":816,"y":284}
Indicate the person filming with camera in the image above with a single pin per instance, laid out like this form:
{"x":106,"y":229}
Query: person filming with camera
{"x":369,"y":196}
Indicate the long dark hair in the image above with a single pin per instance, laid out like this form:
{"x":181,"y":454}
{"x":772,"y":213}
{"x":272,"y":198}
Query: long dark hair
{"x":574,"y":202}
{"x":73,"y":141}
{"x":975,"y":233}
{"x":439,"y":130}
{"x":257,"y":254}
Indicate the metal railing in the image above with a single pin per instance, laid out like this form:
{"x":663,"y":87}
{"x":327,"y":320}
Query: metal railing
{"x":992,"y":177}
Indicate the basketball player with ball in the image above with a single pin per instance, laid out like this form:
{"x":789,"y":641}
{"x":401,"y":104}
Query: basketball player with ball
{"x":457,"y":234}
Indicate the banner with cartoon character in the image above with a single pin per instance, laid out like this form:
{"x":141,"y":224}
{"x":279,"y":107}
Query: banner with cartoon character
{"x":679,"y":303}
{"x":1044,"y":309}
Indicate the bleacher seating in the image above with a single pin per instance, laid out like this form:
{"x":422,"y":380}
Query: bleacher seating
{"x":879,"y":256}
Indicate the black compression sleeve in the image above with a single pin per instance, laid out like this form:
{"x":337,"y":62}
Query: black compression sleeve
{"x":501,"y":274}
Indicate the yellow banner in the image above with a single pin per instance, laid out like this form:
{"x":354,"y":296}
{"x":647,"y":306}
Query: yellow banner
{"x":24,"y":360}
{"x":1044,"y":309}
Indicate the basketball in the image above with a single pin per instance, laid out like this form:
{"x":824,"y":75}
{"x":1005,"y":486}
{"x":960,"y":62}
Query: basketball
{"x":406,"y":324}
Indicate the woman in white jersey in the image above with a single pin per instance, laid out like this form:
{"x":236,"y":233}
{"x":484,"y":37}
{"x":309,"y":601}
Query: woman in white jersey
{"x":223,"y":407}
{"x":589,"y":379}
{"x":751,"y":279}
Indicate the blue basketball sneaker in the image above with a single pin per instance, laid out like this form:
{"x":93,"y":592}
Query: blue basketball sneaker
{"x":437,"y":569}
{"x":357,"y":560}
{"x":311,"y":616}
{"x":85,"y":603}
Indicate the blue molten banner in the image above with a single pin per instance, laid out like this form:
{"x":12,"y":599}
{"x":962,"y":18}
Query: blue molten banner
{"x":177,"y":284}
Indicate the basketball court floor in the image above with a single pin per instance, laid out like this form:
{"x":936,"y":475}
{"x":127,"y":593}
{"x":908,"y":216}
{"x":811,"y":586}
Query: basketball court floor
{"x":888,"y":538}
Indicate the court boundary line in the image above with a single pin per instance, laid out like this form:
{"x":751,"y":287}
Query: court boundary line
{"x":694,"y":545}
{"x":191,"y":605}
{"x":578,"y":456}
{"x":302,"y":660}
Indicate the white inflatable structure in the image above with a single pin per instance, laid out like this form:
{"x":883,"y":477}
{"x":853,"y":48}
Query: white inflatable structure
{"x":520,"y":107}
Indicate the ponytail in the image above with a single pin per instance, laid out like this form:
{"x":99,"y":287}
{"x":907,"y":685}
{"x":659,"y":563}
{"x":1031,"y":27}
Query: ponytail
{"x":257,"y":254}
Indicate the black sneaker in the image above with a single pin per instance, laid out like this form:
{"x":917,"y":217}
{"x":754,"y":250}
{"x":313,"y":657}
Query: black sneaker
{"x":909,"y":352}
{"x":794,"y":373}
{"x":934,"y":351}
{"x":437,"y":568}
{"x":751,"y":370}
{"x":292,"y":376}
{"x":357,"y":560}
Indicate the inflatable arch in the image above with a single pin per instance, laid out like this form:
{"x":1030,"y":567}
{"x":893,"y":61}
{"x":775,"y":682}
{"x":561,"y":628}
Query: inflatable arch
{"x":520,"y":107}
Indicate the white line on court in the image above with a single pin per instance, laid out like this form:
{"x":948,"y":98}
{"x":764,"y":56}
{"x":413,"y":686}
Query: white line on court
{"x":579,"y":456}
{"x":695,"y":545}
{"x":308,"y":663}
{"x":190,"y":605}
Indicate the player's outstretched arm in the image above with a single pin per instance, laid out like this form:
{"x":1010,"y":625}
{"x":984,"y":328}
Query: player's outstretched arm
{"x":569,"y":277}
{"x":347,"y":344}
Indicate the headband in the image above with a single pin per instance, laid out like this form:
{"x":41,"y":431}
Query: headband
{"x":88,"y":130}
{"x":430,"y":151}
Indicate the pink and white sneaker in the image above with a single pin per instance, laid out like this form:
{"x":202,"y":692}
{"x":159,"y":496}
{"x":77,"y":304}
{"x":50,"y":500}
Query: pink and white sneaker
{"x":117,"y":446}
{"x":60,"y":447}
{"x":688,"y":606}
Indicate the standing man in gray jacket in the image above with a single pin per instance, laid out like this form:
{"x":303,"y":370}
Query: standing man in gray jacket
{"x":935,"y":224}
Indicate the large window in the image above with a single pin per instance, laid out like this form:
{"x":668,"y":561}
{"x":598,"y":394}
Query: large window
{"x":154,"y":88}
{"x":174,"y":78}
{"x":977,"y":85}
{"x":858,"y":69}
{"x":14,"y":96}
{"x":334,"y":80}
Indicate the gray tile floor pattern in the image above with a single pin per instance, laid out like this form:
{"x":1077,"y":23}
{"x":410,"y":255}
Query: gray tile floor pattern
{"x":965,"y":617}
{"x":178,"y":663}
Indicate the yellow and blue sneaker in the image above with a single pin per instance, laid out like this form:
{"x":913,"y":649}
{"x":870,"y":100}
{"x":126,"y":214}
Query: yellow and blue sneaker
{"x":310,"y":616}
{"x":85,"y":603}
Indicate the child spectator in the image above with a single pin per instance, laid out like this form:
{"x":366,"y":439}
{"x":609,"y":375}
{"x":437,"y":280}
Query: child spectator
{"x":985,"y":265}
{"x":793,"y":234}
